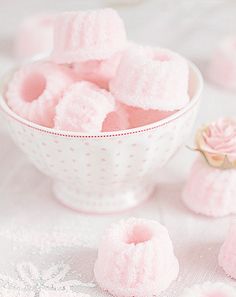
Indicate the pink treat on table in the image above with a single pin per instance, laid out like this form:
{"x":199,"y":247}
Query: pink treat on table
{"x":35,"y":36}
{"x":139,"y":117}
{"x":227,"y":255}
{"x":116,"y":120}
{"x":88,"y":35}
{"x":151,"y":79}
{"x":99,"y":72}
{"x":222,"y":66}
{"x":83,"y":108}
{"x":210,"y":290}
{"x":136,"y":258}
{"x":210,"y":191}
{"x":35,"y":90}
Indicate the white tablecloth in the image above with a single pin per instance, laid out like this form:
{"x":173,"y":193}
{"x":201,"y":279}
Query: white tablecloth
{"x":35,"y":229}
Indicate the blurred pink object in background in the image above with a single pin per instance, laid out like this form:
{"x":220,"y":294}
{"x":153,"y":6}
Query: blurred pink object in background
{"x":35,"y":36}
{"x":222,"y":67}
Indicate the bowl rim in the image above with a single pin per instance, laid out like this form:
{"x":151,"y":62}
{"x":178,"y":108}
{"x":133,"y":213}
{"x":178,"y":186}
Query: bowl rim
{"x":72,"y":134}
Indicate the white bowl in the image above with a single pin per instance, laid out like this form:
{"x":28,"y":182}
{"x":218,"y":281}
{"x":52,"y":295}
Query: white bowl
{"x":105,"y":172}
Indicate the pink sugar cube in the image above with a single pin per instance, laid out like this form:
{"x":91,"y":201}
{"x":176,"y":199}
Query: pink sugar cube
{"x":151,"y":79}
{"x":83,"y":108}
{"x":136,"y":258}
{"x":210,"y":191}
{"x":88,"y":35}
{"x":35,"y":90}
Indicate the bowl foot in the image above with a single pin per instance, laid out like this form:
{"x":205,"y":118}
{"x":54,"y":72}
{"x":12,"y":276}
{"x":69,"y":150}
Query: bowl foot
{"x":101,"y":202}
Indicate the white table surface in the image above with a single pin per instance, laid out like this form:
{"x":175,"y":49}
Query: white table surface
{"x":35,"y":228}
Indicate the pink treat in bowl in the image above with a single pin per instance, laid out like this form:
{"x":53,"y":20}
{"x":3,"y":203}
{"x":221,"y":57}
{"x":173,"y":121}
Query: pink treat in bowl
{"x":99,"y":72}
{"x":103,"y":172}
{"x":35,"y":90}
{"x":136,"y":258}
{"x":88,"y":35}
{"x":151,"y":79}
{"x":35,"y":36}
{"x":139,"y":117}
{"x":116,"y":120}
{"x":78,"y":109}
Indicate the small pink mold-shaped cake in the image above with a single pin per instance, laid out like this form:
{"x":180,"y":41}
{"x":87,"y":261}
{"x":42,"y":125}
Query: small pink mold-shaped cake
{"x":35,"y":90}
{"x":35,"y":36}
{"x":136,"y":258}
{"x":210,"y":290}
{"x":116,"y":120}
{"x":222,"y":66}
{"x":99,"y":72}
{"x":210,"y":188}
{"x":83,"y":108}
{"x":227,"y":255}
{"x":139,"y":117}
{"x":151,"y":78}
{"x":88,"y":35}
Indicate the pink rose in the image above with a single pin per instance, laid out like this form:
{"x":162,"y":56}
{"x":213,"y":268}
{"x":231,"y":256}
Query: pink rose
{"x":217,"y":141}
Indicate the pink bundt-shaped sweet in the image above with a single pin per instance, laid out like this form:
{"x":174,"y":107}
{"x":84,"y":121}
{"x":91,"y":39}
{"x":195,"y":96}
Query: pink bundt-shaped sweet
{"x":139,"y":117}
{"x":210,"y":191}
{"x":116,"y":120}
{"x":35,"y":36}
{"x":151,"y":79}
{"x":222,"y":66}
{"x":136,"y":258}
{"x":227,"y":255}
{"x":35,"y":90}
{"x":99,"y":72}
{"x":83,"y":108}
{"x":210,"y":290}
{"x":88,"y":35}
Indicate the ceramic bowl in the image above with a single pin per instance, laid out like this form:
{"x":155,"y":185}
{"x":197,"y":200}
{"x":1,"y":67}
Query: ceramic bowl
{"x":105,"y":172}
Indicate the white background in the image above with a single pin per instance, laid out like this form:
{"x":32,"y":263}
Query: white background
{"x":34,"y":227}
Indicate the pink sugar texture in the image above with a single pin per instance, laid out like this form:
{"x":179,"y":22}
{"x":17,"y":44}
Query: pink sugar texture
{"x":222,"y":67}
{"x":210,"y":290}
{"x":151,"y":79}
{"x":83,"y":108}
{"x":35,"y":36}
{"x":35,"y":90}
{"x":227,"y":255}
{"x":116,"y":120}
{"x":50,"y":293}
{"x":88,"y":35}
{"x":136,"y":258}
{"x":140,"y":117}
{"x":210,"y":191}
{"x":99,"y":72}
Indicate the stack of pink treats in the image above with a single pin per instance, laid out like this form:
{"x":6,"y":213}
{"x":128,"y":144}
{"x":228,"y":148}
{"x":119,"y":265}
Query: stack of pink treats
{"x":95,"y":80}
